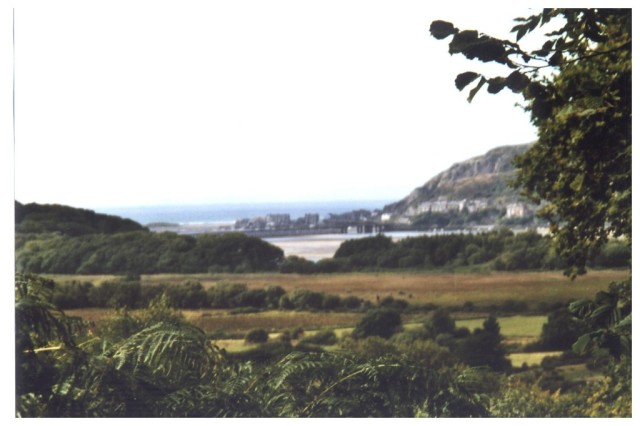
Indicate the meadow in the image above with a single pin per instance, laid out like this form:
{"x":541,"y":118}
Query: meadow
{"x":446,"y":289}
{"x":442,"y":289}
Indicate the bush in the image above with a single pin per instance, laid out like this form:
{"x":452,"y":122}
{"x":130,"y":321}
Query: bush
{"x":72,"y":295}
{"x":614,"y":254}
{"x":381,"y":322}
{"x":397,"y":304}
{"x":257,"y":335}
{"x":115,"y":294}
{"x":273,"y":293}
{"x":560,"y":331}
{"x":331,"y":302}
{"x":326,"y":337}
{"x":223,"y":295}
{"x":306,"y":299}
{"x":484,"y":347}
{"x":188,"y":295}
{"x":328,"y":266}
{"x":297,"y":265}
{"x":285,"y":303}
{"x":440,"y":323}
{"x":352,"y":303}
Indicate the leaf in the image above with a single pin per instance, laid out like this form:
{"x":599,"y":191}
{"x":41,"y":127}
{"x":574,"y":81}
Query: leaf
{"x":496,"y":84}
{"x":442,"y":29}
{"x":556,"y":59}
{"x":473,"y":92}
{"x":462,"y":41}
{"x":580,"y":345}
{"x":464,"y":79}
{"x":517,"y":82}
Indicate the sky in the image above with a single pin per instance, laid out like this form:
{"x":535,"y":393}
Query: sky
{"x":135,"y":104}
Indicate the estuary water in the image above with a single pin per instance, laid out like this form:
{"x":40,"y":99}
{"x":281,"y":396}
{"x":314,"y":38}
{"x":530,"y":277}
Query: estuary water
{"x":316,"y":247}
{"x":311,"y":247}
{"x":226,"y":213}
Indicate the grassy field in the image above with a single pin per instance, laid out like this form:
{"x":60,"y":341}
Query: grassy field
{"x":532,"y":358}
{"x":444,"y":289}
{"x":515,"y":326}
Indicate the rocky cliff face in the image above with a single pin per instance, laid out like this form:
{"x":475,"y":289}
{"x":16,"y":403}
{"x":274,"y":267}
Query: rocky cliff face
{"x":484,"y":177}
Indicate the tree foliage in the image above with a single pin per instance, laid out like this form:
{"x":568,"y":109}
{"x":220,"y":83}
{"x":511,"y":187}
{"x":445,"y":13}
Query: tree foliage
{"x":39,"y":218}
{"x":144,"y":252}
{"x":577,"y":89}
{"x":382,"y":322}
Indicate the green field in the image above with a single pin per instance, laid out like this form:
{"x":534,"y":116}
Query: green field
{"x":511,"y":327}
{"x":443,"y":289}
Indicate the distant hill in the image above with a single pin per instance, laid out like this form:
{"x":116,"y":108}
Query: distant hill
{"x":42,"y":218}
{"x":56,"y":239}
{"x":479,"y":183}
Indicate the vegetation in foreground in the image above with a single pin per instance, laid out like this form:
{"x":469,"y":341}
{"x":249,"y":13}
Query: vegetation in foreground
{"x":154,"y":363}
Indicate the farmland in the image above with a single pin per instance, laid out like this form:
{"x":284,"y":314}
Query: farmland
{"x":443,"y":288}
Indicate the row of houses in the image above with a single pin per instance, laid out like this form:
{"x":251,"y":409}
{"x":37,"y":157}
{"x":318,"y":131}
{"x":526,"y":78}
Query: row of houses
{"x":442,"y":205}
{"x":280,"y":221}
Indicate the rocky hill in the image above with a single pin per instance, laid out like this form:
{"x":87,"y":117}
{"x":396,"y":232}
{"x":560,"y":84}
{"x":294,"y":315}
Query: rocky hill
{"x":479,"y":183}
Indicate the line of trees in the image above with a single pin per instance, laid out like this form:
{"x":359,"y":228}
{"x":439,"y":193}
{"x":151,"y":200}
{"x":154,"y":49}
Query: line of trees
{"x":500,"y":250}
{"x":130,"y":293}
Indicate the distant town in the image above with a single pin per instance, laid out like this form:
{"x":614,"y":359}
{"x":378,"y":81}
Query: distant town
{"x":362,"y":221}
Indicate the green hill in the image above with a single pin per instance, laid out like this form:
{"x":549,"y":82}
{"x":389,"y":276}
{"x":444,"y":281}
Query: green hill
{"x":66,"y":240}
{"x":43,"y":218}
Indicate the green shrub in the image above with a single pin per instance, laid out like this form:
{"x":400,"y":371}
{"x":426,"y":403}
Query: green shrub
{"x":325,"y":337}
{"x":257,"y":335}
{"x":381,"y":322}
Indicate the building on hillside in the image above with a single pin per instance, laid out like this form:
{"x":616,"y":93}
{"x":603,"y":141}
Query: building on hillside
{"x":515,"y":210}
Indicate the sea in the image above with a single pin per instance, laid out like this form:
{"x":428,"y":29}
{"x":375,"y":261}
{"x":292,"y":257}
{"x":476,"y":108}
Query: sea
{"x":229,"y":213}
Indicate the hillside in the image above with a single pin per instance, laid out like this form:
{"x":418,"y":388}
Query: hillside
{"x":66,"y":240}
{"x":42,"y":218}
{"x":477,"y":184}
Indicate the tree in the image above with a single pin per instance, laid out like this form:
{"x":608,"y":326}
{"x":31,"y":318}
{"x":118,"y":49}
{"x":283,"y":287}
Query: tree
{"x":484,"y":347}
{"x":577,"y":88}
{"x":560,"y":331}
{"x":382,"y":322}
{"x":440,"y":323}
{"x":257,"y":335}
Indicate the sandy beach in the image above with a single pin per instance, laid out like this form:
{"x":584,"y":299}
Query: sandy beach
{"x":316,"y":247}
{"x":311,"y":247}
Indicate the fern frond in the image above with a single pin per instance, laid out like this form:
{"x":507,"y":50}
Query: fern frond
{"x":169,"y":355}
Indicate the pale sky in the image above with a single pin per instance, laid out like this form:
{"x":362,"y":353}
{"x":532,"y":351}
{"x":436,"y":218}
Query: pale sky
{"x":128,"y":103}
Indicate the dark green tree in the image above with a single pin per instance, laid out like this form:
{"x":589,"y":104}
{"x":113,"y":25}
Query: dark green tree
{"x":382,"y":322}
{"x":484,"y":347}
{"x":560,"y":331}
{"x":440,"y":322}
